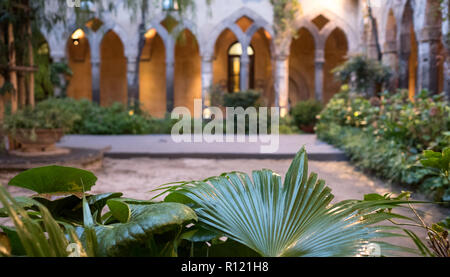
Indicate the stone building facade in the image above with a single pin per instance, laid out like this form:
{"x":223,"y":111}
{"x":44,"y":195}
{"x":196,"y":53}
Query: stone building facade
{"x":230,"y":45}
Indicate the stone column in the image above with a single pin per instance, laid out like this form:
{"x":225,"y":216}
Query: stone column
{"x":245,"y":67}
{"x":58,"y":90}
{"x":95,"y":71}
{"x":319,"y":77}
{"x":428,"y":59}
{"x":403,"y":67}
{"x":282,"y":84}
{"x":132,"y":80}
{"x":207,"y":79}
{"x":390,"y":58}
{"x":170,"y":89}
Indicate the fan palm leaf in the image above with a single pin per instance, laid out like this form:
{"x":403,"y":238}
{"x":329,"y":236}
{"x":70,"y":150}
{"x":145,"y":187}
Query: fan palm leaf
{"x":277,"y":219}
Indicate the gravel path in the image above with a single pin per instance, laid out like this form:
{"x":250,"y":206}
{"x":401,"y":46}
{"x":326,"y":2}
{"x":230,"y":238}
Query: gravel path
{"x":136,"y":177}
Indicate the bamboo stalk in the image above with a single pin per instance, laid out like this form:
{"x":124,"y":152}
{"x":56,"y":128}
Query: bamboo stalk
{"x":22,"y":91}
{"x":12,"y":63}
{"x":31,"y":64}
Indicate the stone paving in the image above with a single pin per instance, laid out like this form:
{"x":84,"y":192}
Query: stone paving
{"x":162,"y":146}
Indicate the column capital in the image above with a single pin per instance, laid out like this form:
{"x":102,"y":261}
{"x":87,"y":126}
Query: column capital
{"x":430,"y":33}
{"x":390,"y":47}
{"x":319,"y":56}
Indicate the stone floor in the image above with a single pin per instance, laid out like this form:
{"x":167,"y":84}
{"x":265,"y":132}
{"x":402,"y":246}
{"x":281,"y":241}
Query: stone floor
{"x":163,"y":146}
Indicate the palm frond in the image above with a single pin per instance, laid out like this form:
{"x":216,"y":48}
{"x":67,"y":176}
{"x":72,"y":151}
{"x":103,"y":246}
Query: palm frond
{"x":275,"y":219}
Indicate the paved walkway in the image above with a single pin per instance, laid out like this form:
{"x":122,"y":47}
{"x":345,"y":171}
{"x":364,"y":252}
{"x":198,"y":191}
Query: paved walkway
{"x":162,"y":146}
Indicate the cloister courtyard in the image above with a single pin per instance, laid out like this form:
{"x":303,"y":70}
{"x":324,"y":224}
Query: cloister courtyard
{"x":352,"y":97}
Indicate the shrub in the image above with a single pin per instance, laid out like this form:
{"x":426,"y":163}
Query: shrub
{"x":305,"y":112}
{"x":242,"y":99}
{"x":49,"y":114}
{"x":386,"y":135}
{"x":363,"y":74}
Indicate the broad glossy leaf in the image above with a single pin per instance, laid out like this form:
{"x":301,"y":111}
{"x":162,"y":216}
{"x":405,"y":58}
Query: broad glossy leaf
{"x":120,"y":210}
{"x":55,"y":179}
{"x":70,"y":209}
{"x":145,"y":222}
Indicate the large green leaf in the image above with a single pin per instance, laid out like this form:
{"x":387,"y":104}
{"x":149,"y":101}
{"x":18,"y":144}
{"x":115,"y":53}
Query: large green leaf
{"x":145,"y":221}
{"x":55,"y":179}
{"x":276,"y":219}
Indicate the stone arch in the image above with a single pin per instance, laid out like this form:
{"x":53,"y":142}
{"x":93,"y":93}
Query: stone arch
{"x":335,"y":21}
{"x":187,"y":72}
{"x":230,"y":23}
{"x":408,"y":51}
{"x":79,"y":61}
{"x":262,"y":73}
{"x":336,"y":50}
{"x":152,"y":66}
{"x":220,"y":61}
{"x":302,"y":66}
{"x":113,"y":70}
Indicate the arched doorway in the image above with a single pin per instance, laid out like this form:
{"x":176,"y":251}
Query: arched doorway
{"x":187,"y":81}
{"x":113,"y":70}
{"x":152,"y":72}
{"x":234,"y":67}
{"x":408,"y":60}
{"x":260,"y":73}
{"x":302,"y":67}
{"x":336,"y":48}
{"x":79,"y":59}
{"x":221,"y":60}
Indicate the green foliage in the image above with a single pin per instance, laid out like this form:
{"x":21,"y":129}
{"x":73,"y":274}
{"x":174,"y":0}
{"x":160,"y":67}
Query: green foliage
{"x":384,"y":158}
{"x":362,"y":74}
{"x":145,"y":228}
{"x":244,"y":99}
{"x":54,"y":179}
{"x":39,"y":237}
{"x":285,"y":12}
{"x":305,"y":112}
{"x":49,"y":114}
{"x":230,"y":215}
{"x":275,"y":218}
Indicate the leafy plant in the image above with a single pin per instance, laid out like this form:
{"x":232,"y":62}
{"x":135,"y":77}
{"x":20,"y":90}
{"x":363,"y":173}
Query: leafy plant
{"x":46,"y":115}
{"x":305,"y":112}
{"x":364,"y":74}
{"x":277,"y":219}
{"x":35,"y":236}
{"x":130,"y":227}
{"x":242,"y":99}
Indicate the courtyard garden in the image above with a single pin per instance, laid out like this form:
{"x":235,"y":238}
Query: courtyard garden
{"x":361,"y":166}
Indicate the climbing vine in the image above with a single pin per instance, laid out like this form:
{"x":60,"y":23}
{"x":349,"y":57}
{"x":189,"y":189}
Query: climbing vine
{"x":284,"y":14}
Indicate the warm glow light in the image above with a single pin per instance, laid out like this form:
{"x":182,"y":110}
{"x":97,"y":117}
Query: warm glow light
{"x":150,"y":34}
{"x":236,"y":50}
{"x":78,"y":34}
{"x":268,"y":36}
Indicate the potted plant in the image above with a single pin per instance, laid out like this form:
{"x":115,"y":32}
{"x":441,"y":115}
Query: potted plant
{"x":305,"y":114}
{"x":38,"y":129}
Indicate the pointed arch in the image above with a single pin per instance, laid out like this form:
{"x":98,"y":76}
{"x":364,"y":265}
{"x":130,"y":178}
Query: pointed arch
{"x":302,"y":66}
{"x":187,"y":79}
{"x":113,"y":70}
{"x":336,"y":50}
